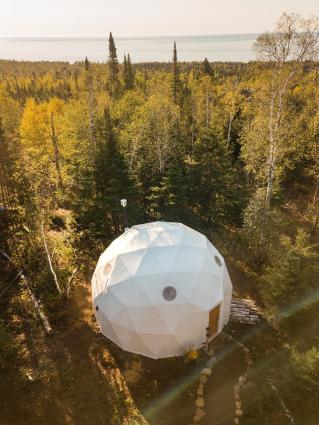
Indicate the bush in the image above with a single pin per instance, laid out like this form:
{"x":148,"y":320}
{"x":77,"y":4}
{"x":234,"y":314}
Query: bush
{"x":305,"y":367}
{"x":291,"y":276}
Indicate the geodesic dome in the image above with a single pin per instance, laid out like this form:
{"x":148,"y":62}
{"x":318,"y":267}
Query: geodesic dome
{"x":157,"y":287}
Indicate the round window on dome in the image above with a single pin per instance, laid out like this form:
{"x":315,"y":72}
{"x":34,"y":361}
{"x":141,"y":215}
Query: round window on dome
{"x":169,"y":293}
{"x":218,"y":261}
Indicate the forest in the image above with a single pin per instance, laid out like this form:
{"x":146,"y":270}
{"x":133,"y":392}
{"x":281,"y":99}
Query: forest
{"x":230,"y":149}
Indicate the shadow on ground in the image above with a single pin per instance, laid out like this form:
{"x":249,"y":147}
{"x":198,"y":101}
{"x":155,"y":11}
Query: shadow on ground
{"x":79,"y":377}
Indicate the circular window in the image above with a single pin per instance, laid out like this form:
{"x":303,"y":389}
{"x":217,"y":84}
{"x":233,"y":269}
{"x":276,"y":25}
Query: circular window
{"x":169,"y":293}
{"x":217,"y":259}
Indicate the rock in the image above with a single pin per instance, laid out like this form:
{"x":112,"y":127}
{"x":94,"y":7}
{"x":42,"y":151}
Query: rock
{"x":206,"y":371}
{"x":237,"y":397}
{"x":203,"y":379}
{"x":238,"y":404}
{"x":250,"y":362}
{"x":200,"y":390}
{"x":196,"y":419}
{"x":239,"y":412}
{"x":246,"y":349}
{"x":242,"y":379}
{"x":236,"y":421}
{"x":200,"y":412}
{"x":200,"y":402}
{"x":236,"y":389}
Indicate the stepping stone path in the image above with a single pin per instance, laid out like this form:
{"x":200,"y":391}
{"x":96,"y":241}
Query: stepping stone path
{"x":203,"y":378}
{"x":242,"y":380}
{"x":207,"y":371}
{"x":244,"y":311}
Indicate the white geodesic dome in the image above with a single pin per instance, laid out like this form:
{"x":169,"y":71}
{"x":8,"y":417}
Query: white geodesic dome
{"x":156,"y":287}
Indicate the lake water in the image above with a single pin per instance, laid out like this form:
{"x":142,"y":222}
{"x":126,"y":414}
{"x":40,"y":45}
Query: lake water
{"x":231,"y":47}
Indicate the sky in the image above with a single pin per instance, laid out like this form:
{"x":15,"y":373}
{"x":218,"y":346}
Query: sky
{"x":96,"y":18}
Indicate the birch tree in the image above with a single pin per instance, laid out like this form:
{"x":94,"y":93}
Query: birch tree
{"x":294,"y":41}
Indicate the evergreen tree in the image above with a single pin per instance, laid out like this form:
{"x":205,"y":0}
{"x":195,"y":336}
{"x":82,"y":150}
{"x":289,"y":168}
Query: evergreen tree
{"x":113,"y":65}
{"x":112,"y":182}
{"x":176,"y":76}
{"x":206,"y":68}
{"x":291,"y":274}
{"x":125,"y":70}
{"x":86,"y":64}
{"x":174,"y":188}
{"x":215,"y":194}
{"x":128,"y":73}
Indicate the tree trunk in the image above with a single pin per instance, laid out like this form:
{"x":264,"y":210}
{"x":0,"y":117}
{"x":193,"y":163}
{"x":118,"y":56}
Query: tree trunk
{"x":273,"y":132}
{"x":40,"y":312}
{"x":56,"y":152}
{"x":271,"y":158}
{"x":36,"y":303}
{"x":49,"y":260}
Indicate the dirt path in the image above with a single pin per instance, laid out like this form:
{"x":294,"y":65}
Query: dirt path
{"x":219,"y":397}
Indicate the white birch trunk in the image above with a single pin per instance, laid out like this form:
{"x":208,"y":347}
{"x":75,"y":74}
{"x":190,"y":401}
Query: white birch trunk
{"x":49,"y":260}
{"x":271,"y":157}
{"x":36,"y":303}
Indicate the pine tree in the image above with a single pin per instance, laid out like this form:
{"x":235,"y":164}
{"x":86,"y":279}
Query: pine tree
{"x":130,"y":73}
{"x":206,"y":68}
{"x":214,"y":191}
{"x":176,"y":76}
{"x":174,"y":188}
{"x":125,"y":70}
{"x":86,"y":64}
{"x":113,"y":66}
{"x":112,"y":182}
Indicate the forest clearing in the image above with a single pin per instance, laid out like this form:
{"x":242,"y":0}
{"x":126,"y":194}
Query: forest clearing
{"x":230,"y":149}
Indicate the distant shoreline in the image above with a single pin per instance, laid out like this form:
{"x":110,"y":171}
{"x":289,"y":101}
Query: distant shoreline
{"x":149,"y":37}
{"x":219,"y":47}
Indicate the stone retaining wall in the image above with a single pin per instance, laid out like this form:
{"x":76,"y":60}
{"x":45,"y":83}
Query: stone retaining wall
{"x":244,"y":311}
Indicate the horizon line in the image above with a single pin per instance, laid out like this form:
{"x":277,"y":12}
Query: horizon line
{"x":100,"y":37}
